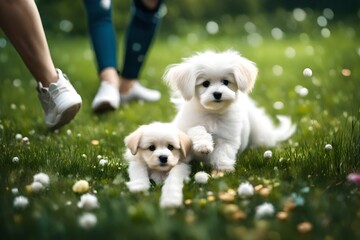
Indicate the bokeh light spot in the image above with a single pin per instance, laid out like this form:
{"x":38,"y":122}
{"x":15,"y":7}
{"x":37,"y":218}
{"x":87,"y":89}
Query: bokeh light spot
{"x":212,"y":27}
{"x":299,"y":14}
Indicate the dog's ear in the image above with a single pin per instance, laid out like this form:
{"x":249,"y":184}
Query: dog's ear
{"x":133,"y":139}
{"x":181,"y":77}
{"x":185,"y":143}
{"x":245,"y":72}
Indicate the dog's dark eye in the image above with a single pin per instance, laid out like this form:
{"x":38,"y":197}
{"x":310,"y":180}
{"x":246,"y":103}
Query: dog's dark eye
{"x":152,"y":148}
{"x":170,"y":147}
{"x":225,"y":82}
{"x":206,"y":84}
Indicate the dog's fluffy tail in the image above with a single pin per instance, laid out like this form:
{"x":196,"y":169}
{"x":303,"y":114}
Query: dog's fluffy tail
{"x":264,"y":132}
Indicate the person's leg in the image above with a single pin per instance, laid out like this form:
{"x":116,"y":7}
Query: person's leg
{"x":21,"y":22}
{"x":103,"y":39}
{"x":139,"y":35}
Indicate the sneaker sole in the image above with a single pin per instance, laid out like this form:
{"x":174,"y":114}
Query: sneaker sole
{"x":104,"y":107}
{"x":66,"y":116}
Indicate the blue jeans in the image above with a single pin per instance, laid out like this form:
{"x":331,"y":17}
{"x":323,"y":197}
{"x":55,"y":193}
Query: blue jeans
{"x":139,"y":35}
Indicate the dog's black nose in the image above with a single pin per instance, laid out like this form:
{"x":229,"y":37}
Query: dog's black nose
{"x":163,"y":158}
{"x":217,"y":95}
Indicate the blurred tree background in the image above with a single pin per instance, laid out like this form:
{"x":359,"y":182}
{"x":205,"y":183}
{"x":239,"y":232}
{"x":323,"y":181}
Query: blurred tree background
{"x":69,"y":15}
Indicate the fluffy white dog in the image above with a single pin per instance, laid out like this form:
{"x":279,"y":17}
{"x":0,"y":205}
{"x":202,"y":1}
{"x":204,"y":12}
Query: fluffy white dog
{"x":158,"y":151}
{"x":217,"y":113}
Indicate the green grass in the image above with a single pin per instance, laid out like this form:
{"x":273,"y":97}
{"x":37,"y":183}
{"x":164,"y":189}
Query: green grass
{"x":300,"y":167}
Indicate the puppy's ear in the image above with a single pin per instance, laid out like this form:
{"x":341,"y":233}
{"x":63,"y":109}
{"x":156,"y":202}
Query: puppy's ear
{"x":180,"y":77}
{"x":185,"y":143}
{"x":245,"y":72}
{"x":132,"y":141}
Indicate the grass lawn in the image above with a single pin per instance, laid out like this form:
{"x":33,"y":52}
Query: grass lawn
{"x":305,"y":183}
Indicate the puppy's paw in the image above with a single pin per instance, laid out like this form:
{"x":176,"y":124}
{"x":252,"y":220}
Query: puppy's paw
{"x":222,"y":167}
{"x":138,"y":186}
{"x":171,"y":202}
{"x":203,"y":147}
{"x":201,"y":139}
{"x":225,"y":168}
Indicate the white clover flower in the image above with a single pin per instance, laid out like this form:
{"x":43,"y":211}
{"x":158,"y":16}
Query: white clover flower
{"x":201,"y":177}
{"x":81,"y":186}
{"x":87,"y":220}
{"x":18,"y":136}
{"x":264,"y":210}
{"x":328,"y":147}
{"x":15,"y":191}
{"x":15,"y":160}
{"x":103,"y":162}
{"x":21,"y":202}
{"x":268,"y":154}
{"x":37,"y":187}
{"x":25,"y":140}
{"x":42,"y":178}
{"x":88,"y":201}
{"x":245,"y":190}
{"x":307,"y":72}
{"x":302,"y":91}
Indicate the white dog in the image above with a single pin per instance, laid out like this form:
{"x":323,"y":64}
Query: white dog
{"x":217,"y":113}
{"x":158,"y":151}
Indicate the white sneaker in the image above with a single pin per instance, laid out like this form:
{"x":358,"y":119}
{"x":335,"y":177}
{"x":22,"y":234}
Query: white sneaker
{"x":138,"y":92}
{"x":60,"y":101}
{"x":107,"y":98}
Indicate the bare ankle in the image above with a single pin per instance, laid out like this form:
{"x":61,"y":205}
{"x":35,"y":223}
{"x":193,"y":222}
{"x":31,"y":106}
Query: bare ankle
{"x":50,"y":77}
{"x":110,"y":75}
{"x":126,"y":84}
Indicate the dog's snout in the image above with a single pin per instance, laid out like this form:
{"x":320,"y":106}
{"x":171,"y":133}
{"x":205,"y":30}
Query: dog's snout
{"x":217,"y":95}
{"x":163,"y":158}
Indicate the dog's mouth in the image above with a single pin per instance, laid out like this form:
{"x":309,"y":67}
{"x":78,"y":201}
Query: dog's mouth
{"x":217,"y":100}
{"x":163,"y":164}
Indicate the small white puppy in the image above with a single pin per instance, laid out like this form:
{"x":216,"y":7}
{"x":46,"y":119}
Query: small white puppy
{"x":217,"y":113}
{"x":158,"y":151}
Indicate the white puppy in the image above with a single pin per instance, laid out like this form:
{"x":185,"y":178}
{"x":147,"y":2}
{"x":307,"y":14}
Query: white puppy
{"x":217,"y":113}
{"x":158,"y":151}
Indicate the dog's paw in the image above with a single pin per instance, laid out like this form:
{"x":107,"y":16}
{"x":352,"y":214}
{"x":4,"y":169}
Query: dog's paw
{"x":201,"y":139}
{"x":171,"y":202}
{"x":203,"y":147}
{"x":138,"y":186}
{"x":221,"y":168}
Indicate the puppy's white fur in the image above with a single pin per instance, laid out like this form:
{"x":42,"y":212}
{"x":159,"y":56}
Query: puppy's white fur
{"x":158,"y":151}
{"x":217,"y":112}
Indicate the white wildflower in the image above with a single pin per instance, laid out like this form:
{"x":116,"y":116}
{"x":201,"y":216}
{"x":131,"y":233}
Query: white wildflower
{"x":201,"y":177}
{"x":103,"y":162}
{"x":21,"y":202}
{"x":328,"y":147}
{"x":245,"y":190}
{"x":307,"y":72}
{"x":264,"y":210}
{"x":37,"y":187}
{"x":15,"y":191}
{"x":25,"y":141}
{"x":18,"y":136}
{"x":42,"y":178}
{"x":88,"y":201}
{"x":81,"y":186}
{"x":268,"y":154}
{"x":302,"y":91}
{"x":87,"y":220}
